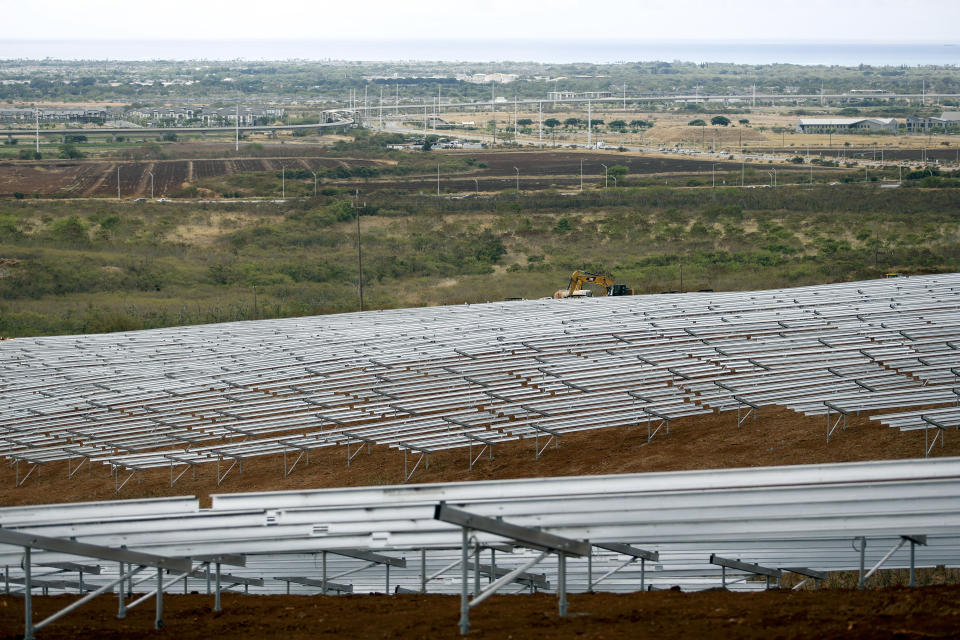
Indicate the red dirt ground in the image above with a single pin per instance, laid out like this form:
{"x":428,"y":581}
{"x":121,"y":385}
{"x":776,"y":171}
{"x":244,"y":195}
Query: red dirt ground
{"x":779,"y":437}
{"x":903,"y":613}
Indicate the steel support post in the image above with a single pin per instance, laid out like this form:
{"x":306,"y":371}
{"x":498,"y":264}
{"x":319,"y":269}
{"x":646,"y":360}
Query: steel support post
{"x":476,"y":569}
{"x":158,"y":620}
{"x":323,"y":577}
{"x":6,"y":579}
{"x":493,"y":565}
{"x":27,"y":597}
{"x":913,"y":580}
{"x":207,"y":567}
{"x":863,"y":553}
{"x":643,"y":573}
{"x":387,"y":588}
{"x":562,"y":591}
{"x":590,"y":571}
{"x":121,"y":607}
{"x":216,"y":598}
{"x":723,"y":577}
{"x":464,"y":602}
{"x":423,"y":570}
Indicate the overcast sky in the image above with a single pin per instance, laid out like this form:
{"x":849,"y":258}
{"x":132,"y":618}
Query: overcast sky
{"x":929,"y":21}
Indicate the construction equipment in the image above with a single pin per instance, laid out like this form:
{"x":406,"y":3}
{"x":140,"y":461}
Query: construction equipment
{"x":603,"y":286}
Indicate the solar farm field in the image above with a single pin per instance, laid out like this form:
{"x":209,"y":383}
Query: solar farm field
{"x":493,"y":448}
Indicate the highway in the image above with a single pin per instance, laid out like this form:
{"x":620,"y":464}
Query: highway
{"x":342,"y":122}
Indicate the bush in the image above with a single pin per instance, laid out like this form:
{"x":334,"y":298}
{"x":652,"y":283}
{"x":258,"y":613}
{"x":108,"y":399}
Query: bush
{"x":69,"y":151}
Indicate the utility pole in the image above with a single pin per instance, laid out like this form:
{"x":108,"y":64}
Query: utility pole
{"x":356,"y":207}
{"x":540,"y":112}
{"x":589,"y":126}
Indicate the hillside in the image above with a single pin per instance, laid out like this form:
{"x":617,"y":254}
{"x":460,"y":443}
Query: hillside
{"x":95,"y":265}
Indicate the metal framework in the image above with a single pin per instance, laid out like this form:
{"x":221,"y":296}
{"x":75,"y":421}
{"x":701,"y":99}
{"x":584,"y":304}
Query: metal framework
{"x":691,"y":528}
{"x":421,"y":381}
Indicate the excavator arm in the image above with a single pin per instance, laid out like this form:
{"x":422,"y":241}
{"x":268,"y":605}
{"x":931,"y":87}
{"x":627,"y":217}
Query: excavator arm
{"x":580,"y":278}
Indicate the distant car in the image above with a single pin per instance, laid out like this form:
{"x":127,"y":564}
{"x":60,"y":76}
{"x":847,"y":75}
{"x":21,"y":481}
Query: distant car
{"x":163,"y":200}
{"x":140,"y":200}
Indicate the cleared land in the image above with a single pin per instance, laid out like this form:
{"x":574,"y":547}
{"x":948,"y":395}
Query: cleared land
{"x":928,"y":612}
{"x":538,"y":170}
{"x":700,"y":442}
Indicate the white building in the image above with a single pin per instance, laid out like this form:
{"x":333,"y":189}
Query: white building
{"x":846,"y":125}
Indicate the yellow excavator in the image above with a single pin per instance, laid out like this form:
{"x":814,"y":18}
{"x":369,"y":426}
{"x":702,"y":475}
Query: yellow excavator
{"x":603,"y":285}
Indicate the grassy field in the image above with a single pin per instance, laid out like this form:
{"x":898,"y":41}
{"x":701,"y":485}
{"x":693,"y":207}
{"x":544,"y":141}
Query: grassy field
{"x":77,"y":266}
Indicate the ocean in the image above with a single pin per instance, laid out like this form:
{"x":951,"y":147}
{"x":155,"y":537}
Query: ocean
{"x":533,"y":50}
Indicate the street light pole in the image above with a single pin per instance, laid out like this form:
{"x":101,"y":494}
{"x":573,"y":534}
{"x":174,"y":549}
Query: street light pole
{"x":518,"y":178}
{"x":151,"y":184}
{"x":581,"y":174}
{"x":118,"y":182}
{"x":438,"y":179}
{"x":315,"y":175}
{"x":356,"y":207}
{"x":713,"y":175}
{"x":283,"y":182}
{"x":605,"y":181}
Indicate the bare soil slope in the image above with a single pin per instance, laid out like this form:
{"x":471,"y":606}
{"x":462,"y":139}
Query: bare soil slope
{"x":927,"y":612}
{"x":779,"y":437}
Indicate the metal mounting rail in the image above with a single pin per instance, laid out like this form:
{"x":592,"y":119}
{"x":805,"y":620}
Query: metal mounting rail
{"x":749,"y":567}
{"x":810,"y":574}
{"x":941,"y":428}
{"x":31,"y":541}
{"x":554,"y":436}
{"x":523,"y":536}
{"x":911,"y":538}
{"x":423,"y":457}
{"x":841,"y":417}
{"x":324,"y":585}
